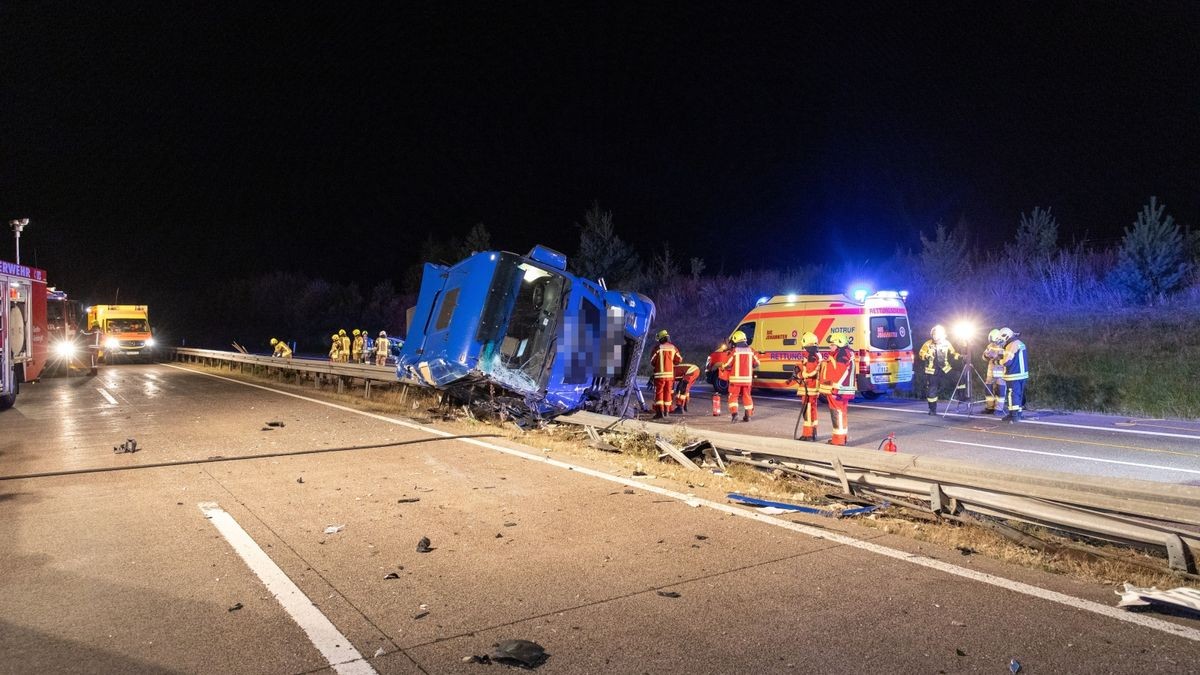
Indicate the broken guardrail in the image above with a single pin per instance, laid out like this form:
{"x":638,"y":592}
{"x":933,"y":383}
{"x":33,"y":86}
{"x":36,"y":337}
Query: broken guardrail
{"x":1134,"y":512}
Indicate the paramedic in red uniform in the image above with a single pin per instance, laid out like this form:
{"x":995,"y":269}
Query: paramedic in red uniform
{"x":837,"y":383}
{"x":717,"y":376}
{"x":686,"y":375}
{"x":741,"y":365}
{"x":806,"y":374}
{"x":663,"y":360}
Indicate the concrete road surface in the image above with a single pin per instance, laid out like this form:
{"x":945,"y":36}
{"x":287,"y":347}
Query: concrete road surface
{"x":221,"y":562}
{"x":1088,"y":444}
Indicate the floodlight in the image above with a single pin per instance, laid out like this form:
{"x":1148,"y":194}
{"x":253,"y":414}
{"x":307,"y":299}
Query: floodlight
{"x":964,"y":330}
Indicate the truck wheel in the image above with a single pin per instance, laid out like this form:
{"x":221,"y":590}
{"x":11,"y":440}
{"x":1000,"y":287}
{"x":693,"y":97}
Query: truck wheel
{"x":871,"y":395}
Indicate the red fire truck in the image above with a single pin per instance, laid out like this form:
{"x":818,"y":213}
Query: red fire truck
{"x":24,"y":340}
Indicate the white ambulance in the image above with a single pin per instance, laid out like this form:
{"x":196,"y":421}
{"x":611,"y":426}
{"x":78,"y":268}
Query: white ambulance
{"x":876,"y":325}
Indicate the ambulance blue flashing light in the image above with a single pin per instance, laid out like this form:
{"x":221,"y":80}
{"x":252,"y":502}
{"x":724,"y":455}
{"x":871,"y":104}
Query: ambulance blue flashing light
{"x":762,"y":301}
{"x":903,"y":295}
{"x":860,"y":294}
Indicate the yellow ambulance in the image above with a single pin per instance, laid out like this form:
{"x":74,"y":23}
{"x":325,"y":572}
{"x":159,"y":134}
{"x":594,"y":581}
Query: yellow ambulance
{"x":876,"y":325}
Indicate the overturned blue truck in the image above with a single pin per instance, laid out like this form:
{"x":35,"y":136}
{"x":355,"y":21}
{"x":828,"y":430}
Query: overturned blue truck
{"x":522,"y":337}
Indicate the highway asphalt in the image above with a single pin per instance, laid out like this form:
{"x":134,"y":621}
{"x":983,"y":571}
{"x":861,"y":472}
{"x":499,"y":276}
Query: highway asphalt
{"x":115,"y":568}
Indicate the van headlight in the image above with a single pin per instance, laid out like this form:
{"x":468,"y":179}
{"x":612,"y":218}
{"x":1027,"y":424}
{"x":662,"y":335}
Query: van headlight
{"x":112,"y":343}
{"x":149,"y":342}
{"x":65,"y":349}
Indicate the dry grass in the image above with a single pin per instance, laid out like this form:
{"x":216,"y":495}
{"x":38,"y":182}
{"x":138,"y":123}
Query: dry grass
{"x":638,"y":453}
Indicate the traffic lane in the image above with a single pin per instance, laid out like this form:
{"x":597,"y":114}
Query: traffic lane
{"x":831,"y":612}
{"x":580,"y":567}
{"x":174,"y":416}
{"x":1080,"y":451}
{"x":119,"y":572}
{"x":511,"y":538}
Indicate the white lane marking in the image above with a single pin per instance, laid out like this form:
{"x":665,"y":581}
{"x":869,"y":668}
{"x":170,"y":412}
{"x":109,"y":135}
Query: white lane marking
{"x":1066,"y":456}
{"x":106,"y":395}
{"x":1164,"y":434}
{"x":982,"y":577}
{"x":334,"y":646}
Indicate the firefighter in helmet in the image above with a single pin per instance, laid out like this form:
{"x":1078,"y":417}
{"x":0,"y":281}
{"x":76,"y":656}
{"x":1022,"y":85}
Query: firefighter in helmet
{"x":663,"y":360}
{"x":686,"y":375}
{"x":281,"y":349}
{"x":345,"y":351}
{"x":1016,"y":373}
{"x":382,"y":349}
{"x":717,"y":376}
{"x":335,"y":350}
{"x":805,"y":374}
{"x":741,"y":364}
{"x":994,"y":383}
{"x":936,"y":353}
{"x":836,"y":382}
{"x":356,"y":346}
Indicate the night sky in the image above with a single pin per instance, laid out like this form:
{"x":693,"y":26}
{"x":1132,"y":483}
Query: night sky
{"x":171,"y":144}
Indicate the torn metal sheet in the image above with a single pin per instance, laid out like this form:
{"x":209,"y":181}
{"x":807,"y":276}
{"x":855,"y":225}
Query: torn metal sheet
{"x":778,"y":507}
{"x":1178,"y":598}
{"x":526,"y":334}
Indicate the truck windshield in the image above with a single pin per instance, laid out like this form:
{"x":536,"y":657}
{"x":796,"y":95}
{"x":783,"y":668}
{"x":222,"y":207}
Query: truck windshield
{"x":127,"y":326}
{"x":890,"y":332}
{"x":519,"y":323}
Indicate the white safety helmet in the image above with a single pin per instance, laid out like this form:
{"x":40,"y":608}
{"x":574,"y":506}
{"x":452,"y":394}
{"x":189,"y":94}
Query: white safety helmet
{"x":383,"y":333}
{"x":1006,"y":334}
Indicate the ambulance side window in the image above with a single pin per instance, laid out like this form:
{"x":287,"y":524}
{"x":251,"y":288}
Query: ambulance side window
{"x":748,"y":329}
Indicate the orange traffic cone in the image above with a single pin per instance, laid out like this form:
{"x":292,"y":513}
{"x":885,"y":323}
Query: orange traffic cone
{"x":889,"y":444}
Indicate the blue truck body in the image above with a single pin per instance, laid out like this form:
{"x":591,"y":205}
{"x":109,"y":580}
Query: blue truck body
{"x":523,"y":332}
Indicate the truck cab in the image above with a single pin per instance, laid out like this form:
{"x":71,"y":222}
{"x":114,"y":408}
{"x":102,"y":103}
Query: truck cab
{"x":23,"y":336}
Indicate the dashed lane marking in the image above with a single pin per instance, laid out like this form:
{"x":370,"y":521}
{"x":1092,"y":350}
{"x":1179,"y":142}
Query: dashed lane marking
{"x":1066,"y":456}
{"x":335,"y":647}
{"x":1107,"y":611}
{"x":106,"y":395}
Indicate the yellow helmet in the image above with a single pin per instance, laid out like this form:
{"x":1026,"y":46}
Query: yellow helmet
{"x":274,"y":342}
{"x":809,"y":340}
{"x":356,"y":332}
{"x":738,"y":336}
{"x":838,"y":340}
{"x":335,"y":336}
{"x":662,"y":335}
{"x":994,"y":336}
{"x":938,"y":332}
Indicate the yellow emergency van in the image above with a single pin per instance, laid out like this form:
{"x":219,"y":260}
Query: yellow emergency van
{"x":125,"y":330}
{"x":875,"y":324}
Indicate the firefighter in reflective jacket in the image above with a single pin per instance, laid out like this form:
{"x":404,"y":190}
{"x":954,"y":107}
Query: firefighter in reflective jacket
{"x":995,"y":385}
{"x":741,"y":364}
{"x":686,"y":375}
{"x":281,"y":349}
{"x":382,"y":349}
{"x":836,"y":381}
{"x":936,"y":353}
{"x":335,"y":350}
{"x":663,"y":360}
{"x":356,"y":347}
{"x":1016,"y":372}
{"x":718,"y":377}
{"x":806,"y":374}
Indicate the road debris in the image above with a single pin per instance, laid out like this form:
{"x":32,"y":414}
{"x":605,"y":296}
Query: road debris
{"x":1182,"y":598}
{"x":959,"y":652}
{"x":510,"y":524}
{"x":300,"y":479}
{"x":130,"y":445}
{"x":266,"y":429}
{"x":423,"y":545}
{"x":378,"y":652}
{"x":420,"y":615}
{"x":236,"y":607}
{"x":275,"y":424}
{"x":408,"y":500}
{"x":391,"y":575}
{"x":521,"y":653}
{"x":334,"y":529}
{"x":965,"y":550}
{"x":668,"y":594}
{"x":776,"y":508}
{"x":674,"y":453}
{"x":628,"y":491}
{"x":1014,"y":666}
{"x":702,"y":537}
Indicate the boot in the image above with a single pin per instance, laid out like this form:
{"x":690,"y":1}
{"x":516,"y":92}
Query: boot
{"x":1007,"y":418}
{"x":657,"y":415}
{"x":810,"y":439}
{"x":745,"y":417}
{"x":1016,"y":417}
{"x":684,"y":407}
{"x":733,"y":417}
{"x":933,"y":408}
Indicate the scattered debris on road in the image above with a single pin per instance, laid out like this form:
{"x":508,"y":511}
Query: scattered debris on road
{"x":391,"y":575}
{"x":702,"y":537}
{"x":521,"y":653}
{"x":1014,"y":666}
{"x":334,"y":529}
{"x":408,"y":500}
{"x":275,"y":424}
{"x":378,"y":652}
{"x":423,"y":545}
{"x":130,"y":445}
{"x":776,"y":508}
{"x":236,"y":607}
{"x":669,"y":594}
{"x":629,"y":491}
{"x":1182,"y":598}
{"x":300,"y":479}
{"x":420,"y":615}
{"x":965,"y":550}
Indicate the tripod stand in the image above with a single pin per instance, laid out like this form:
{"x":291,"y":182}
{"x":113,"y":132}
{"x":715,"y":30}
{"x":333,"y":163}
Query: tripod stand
{"x":966,"y":379}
